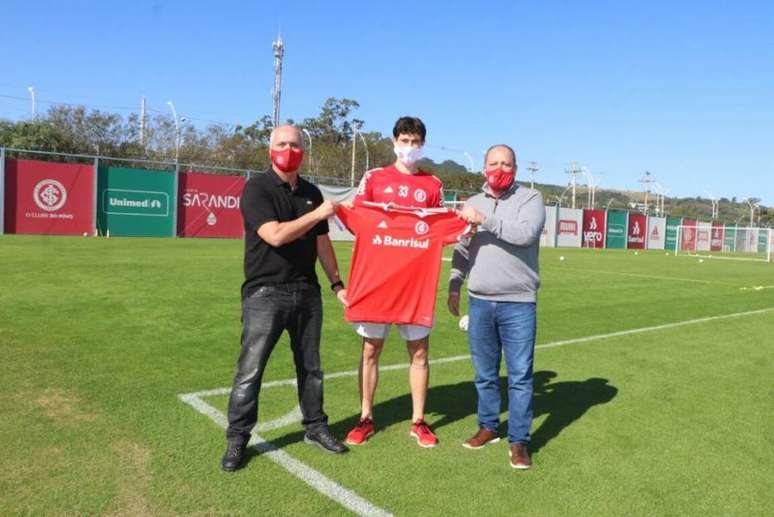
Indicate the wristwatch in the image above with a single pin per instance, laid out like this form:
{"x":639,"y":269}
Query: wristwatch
{"x":334,"y":285}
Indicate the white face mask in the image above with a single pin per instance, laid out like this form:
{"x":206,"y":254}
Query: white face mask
{"x":408,"y":155}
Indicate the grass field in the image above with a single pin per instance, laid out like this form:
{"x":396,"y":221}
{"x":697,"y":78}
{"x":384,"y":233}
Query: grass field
{"x":98,"y":338}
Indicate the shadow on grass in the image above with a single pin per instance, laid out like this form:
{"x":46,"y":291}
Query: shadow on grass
{"x":563,"y":402}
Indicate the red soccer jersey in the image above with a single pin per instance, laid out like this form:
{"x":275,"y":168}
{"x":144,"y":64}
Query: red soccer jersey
{"x":389,"y":185}
{"x":396,"y":261}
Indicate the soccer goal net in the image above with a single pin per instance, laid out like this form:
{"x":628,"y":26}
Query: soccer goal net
{"x":730,"y":242}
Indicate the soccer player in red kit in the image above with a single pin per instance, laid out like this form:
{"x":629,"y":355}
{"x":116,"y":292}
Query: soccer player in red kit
{"x":401,"y":183}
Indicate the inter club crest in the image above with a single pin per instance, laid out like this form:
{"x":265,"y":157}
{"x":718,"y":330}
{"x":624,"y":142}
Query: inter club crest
{"x":49,"y":195}
{"x":421,"y":228}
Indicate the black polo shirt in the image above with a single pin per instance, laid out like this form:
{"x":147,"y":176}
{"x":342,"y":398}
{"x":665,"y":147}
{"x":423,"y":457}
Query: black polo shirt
{"x":267,"y":198}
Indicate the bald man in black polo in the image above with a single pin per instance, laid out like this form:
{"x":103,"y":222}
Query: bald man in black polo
{"x":286,"y":232}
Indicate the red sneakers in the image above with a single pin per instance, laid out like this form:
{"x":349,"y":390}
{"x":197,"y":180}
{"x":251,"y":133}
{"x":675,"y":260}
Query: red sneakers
{"x":361,"y":432}
{"x":425,"y":437}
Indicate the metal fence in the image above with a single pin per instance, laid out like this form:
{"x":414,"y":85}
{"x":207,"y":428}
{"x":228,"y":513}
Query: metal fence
{"x":143,"y":166}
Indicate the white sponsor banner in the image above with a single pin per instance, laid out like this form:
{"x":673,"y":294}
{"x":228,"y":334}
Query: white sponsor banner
{"x":336,"y":229}
{"x":746,"y":240}
{"x":569,"y":228}
{"x":656,"y":233}
{"x":703,"y":236}
{"x":548,"y":237}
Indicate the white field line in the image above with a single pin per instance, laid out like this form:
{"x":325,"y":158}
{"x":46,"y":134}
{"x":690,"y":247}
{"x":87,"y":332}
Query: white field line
{"x":652,"y":277}
{"x":655,"y":328}
{"x":756,"y":288}
{"x":553,"y":344}
{"x":721,"y":257}
{"x":348,"y":498}
{"x":324,"y":485}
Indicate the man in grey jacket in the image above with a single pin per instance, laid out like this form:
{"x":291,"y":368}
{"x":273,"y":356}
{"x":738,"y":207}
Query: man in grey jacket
{"x":501,"y":263}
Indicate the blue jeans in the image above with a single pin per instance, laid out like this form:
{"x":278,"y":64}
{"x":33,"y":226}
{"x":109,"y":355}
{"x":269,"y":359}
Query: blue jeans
{"x":496,"y":329}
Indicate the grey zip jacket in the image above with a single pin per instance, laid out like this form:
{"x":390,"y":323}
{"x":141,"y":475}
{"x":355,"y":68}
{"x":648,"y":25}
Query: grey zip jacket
{"x":501,"y":259}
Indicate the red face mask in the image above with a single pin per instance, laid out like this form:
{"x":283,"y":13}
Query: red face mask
{"x":287,"y":160}
{"x":498,"y":179}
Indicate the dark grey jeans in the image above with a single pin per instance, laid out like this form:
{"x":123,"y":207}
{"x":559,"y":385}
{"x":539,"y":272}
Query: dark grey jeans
{"x":271,"y":310}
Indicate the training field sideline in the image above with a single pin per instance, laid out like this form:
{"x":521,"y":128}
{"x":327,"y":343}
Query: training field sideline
{"x":653,"y":392}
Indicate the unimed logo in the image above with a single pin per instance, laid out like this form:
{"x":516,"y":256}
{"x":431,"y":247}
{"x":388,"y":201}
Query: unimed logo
{"x":616,"y":229}
{"x":135,"y":202}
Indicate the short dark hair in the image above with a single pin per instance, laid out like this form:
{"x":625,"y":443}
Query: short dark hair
{"x":409,"y":126}
{"x":513,"y":153}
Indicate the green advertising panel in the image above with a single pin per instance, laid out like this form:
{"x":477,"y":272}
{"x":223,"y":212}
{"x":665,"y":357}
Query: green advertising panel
{"x":671,"y":232}
{"x":763,"y":240}
{"x":729,"y":239}
{"x":136,"y":202}
{"x":617,"y":229}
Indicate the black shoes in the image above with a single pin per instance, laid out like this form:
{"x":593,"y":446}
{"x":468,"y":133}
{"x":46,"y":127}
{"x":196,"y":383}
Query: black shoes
{"x":234,"y":455}
{"x":325,"y":440}
{"x":235,"y":449}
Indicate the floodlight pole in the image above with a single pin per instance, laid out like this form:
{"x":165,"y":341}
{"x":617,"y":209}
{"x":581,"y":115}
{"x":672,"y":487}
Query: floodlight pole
{"x":355,"y":134}
{"x":34,"y":103}
{"x":278,"y":49}
{"x":647,"y":180}
{"x":470,"y":160}
{"x":532,"y":168}
{"x":573,"y":172}
{"x":177,"y":130}
{"x":594,"y":190}
{"x":352,"y":172}
{"x":714,"y":202}
{"x":590,"y":180}
{"x":142,"y":122}
{"x":752,"y":211}
{"x":561,"y":198}
{"x":660,"y":199}
{"x":309,"y":136}
{"x":365,"y":146}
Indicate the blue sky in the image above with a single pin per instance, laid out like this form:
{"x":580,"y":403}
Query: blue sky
{"x":681,"y":89}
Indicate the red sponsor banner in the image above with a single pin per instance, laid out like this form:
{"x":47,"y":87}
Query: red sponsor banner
{"x":568,"y":227}
{"x":718,"y":234}
{"x":49,"y":198}
{"x":638,"y":226}
{"x":208,"y":205}
{"x":594,"y":228}
{"x":688,"y":235}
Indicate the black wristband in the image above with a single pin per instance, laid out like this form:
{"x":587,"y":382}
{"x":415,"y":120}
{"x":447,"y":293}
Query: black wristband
{"x":334,"y":285}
